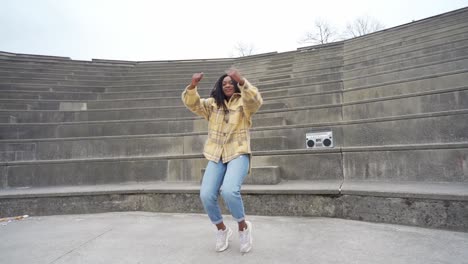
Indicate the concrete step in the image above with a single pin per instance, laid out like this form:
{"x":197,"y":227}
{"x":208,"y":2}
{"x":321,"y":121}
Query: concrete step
{"x":132,"y":75}
{"x":285,"y":66}
{"x":301,"y":100}
{"x":432,"y":55}
{"x":60,"y":67}
{"x":311,"y":80}
{"x":319,"y":55}
{"x":45,"y":116}
{"x":20,"y":95}
{"x":12,"y":74}
{"x":121,"y":146}
{"x":92,"y":69}
{"x":182,"y":82}
{"x":7,"y":119}
{"x":149,"y":92}
{"x":50,"y":94}
{"x":299,"y":78}
{"x":41,"y":105}
{"x":421,"y":42}
{"x":266,"y":175}
{"x":402,"y":57}
{"x":300,"y":115}
{"x":404,"y":130}
{"x":407,"y":189}
{"x":268,"y":143}
{"x":407,"y":86}
{"x":407,"y":38}
{"x":409,"y":29}
{"x":300,"y":66}
{"x":173,"y":201}
{"x":458,"y":64}
{"x":77,"y":172}
{"x":13,"y":81}
{"x":114,"y":128}
{"x":12,"y":105}
{"x":117,"y":88}
{"x":177,"y":73}
{"x":436,"y":100}
{"x":273,"y":105}
{"x":169,"y":82}
{"x":307,"y":70}
{"x":17,"y":151}
{"x":383,"y":164}
{"x":439,"y":127}
{"x":169,"y":101}
{"x":97,"y":66}
{"x":36,"y":116}
{"x":206,"y":64}
{"x":417,"y":165}
{"x":318,"y":187}
{"x":14,"y":69}
{"x":99,"y":104}
{"x":268,"y":121}
{"x":44,"y":87}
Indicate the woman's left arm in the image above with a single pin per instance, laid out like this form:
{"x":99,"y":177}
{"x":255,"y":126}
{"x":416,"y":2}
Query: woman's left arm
{"x":252,"y":100}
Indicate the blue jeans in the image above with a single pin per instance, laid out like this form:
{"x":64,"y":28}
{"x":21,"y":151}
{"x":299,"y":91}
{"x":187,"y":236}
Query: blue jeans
{"x":226,"y":178}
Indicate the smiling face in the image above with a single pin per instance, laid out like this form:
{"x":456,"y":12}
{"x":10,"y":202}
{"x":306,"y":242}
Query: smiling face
{"x":228,"y":87}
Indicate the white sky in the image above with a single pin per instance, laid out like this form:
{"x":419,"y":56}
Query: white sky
{"x":183,"y":29}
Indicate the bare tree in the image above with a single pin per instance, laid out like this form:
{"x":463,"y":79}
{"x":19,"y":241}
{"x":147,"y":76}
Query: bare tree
{"x":243,"y":49}
{"x":321,"y":34}
{"x":362,"y":26}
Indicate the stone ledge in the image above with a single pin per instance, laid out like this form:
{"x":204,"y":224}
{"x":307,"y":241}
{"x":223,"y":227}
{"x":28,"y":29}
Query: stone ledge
{"x":285,"y":187}
{"x":410,"y":147}
{"x":194,"y":118}
{"x":453,"y":191}
{"x":457,"y":191}
{"x":296,"y":201}
{"x":267,"y":99}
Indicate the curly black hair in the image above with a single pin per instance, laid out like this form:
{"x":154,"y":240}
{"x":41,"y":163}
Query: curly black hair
{"x":218,"y":94}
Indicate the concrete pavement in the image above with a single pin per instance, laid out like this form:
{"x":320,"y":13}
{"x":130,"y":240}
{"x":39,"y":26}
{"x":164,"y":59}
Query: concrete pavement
{"x":143,"y":237}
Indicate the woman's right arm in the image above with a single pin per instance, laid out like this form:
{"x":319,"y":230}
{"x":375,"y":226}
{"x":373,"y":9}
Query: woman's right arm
{"x":192,"y":100}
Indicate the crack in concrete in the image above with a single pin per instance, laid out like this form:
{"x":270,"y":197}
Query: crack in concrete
{"x":86,"y":242}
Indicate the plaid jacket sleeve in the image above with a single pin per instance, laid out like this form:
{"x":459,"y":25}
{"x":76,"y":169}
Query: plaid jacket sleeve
{"x":252,"y":100}
{"x":194,"y":103}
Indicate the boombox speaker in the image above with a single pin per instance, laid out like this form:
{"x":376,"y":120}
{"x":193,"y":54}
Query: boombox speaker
{"x":320,"y":139}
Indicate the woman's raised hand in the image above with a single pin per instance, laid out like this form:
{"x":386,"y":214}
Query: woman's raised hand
{"x":196,"y":78}
{"x":236,"y":76}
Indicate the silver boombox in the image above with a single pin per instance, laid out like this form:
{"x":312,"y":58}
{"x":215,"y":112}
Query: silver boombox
{"x":319,"y":139}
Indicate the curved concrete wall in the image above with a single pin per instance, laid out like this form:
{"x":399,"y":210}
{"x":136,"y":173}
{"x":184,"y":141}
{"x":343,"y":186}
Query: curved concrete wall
{"x":396,"y":101}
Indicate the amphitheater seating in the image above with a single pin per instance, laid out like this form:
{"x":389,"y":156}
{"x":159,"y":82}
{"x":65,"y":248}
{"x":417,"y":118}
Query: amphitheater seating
{"x":102,"y":135}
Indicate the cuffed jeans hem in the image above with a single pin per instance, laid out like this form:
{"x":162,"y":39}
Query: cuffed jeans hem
{"x":217,"y":222}
{"x":240,"y":219}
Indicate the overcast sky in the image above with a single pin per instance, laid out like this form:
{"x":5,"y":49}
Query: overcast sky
{"x":183,"y":29}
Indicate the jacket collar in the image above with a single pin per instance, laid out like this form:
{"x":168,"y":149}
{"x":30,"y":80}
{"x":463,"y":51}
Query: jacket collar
{"x":233,"y":97}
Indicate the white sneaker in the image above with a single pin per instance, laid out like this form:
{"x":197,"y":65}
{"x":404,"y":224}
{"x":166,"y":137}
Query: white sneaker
{"x":222,"y":239}
{"x":245,"y":238}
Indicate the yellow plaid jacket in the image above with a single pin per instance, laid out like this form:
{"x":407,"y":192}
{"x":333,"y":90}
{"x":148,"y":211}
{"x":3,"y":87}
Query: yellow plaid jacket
{"x":228,"y":133}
